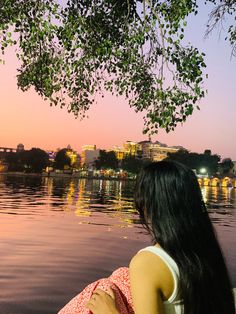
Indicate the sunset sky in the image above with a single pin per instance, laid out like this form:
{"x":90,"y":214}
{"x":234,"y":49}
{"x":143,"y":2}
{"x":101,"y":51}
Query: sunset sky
{"x":26,"y":118}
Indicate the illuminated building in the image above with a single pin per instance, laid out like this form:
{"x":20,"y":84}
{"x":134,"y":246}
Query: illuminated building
{"x":132,"y":148}
{"x":159,"y":153}
{"x":156,"y":151}
{"x":129,"y":148}
{"x":119,"y":151}
{"x":146,"y":149}
{"x":88,"y":147}
{"x":89,"y":154}
{"x":73,"y":156}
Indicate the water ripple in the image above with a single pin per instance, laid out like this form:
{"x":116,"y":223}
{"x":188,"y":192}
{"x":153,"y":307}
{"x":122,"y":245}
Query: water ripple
{"x":57,"y":235}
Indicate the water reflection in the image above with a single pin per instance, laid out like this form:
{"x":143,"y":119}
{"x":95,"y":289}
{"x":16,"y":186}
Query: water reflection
{"x":25,"y":195}
{"x":224,"y":196}
{"x":59,"y":226}
{"x":85,"y":197}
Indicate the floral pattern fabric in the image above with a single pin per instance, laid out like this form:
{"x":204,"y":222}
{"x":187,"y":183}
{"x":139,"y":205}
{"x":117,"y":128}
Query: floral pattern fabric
{"x":119,"y":281}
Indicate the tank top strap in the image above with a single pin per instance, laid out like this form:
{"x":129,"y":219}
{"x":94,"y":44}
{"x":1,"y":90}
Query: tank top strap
{"x":171,"y":264}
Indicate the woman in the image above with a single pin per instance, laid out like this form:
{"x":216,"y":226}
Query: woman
{"x":184,"y":271}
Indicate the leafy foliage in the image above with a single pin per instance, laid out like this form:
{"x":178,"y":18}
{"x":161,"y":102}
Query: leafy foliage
{"x":15,"y":161}
{"x":106,"y":160}
{"x":132,"y":164}
{"x":226,"y":165}
{"x":62,"y":159}
{"x":223,"y":8}
{"x":133,"y":48}
{"x":197,"y":161}
{"x":34,"y":160}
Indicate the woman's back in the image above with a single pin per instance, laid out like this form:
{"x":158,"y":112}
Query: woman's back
{"x":170,"y":204}
{"x":185,"y":271}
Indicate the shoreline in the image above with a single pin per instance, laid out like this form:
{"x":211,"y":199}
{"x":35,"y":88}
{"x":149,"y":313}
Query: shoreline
{"x":21,"y":174}
{"x":63,"y":175}
{"x":76,"y":175}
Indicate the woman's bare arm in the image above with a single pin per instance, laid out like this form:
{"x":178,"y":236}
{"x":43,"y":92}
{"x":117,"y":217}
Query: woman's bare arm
{"x":149,"y":277}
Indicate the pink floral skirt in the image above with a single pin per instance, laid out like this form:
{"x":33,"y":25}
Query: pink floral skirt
{"x":119,"y":282}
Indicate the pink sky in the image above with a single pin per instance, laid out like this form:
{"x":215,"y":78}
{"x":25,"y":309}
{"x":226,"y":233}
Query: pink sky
{"x":26,"y":118}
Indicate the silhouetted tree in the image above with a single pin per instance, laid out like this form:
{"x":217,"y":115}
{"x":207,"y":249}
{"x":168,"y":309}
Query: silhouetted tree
{"x":197,"y":161}
{"x":62,"y":159}
{"x":35,"y":159}
{"x":15,"y":161}
{"x":207,"y":152}
{"x":226,"y":165}
{"x":106,"y":160}
{"x":132,"y":164}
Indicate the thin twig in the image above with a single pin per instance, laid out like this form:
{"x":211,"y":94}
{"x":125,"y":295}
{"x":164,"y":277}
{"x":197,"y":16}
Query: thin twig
{"x":164,"y":55}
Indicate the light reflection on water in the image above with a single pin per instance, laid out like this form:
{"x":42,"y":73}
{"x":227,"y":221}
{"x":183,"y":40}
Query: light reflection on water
{"x":57,"y":235}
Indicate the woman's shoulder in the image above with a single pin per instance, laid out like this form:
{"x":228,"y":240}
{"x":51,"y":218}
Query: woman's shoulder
{"x":154,"y":268}
{"x":149,"y":260}
{"x":145,"y":257}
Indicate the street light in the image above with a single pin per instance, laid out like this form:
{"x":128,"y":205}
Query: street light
{"x":203,"y":171}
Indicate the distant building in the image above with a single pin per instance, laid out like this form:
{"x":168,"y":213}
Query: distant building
{"x":156,"y":151}
{"x":20,"y":148}
{"x":88,"y":147}
{"x":132,"y":148}
{"x":119,"y":151}
{"x":129,"y":148}
{"x":146,"y":149}
{"x":6,"y":150}
{"x":51,"y":154}
{"x":89,"y":154}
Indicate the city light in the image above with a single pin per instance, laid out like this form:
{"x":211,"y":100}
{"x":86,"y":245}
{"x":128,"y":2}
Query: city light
{"x":203,"y":171}
{"x":73,"y":156}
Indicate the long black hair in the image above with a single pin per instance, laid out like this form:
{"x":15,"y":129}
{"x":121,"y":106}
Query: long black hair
{"x":170,"y":204}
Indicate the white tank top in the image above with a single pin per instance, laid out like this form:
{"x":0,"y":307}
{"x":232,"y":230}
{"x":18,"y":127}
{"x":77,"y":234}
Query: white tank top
{"x":173,"y":304}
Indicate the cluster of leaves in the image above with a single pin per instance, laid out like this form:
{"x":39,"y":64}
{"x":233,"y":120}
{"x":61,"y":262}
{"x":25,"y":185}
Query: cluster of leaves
{"x":115,"y":47}
{"x":133,"y":48}
{"x":223,"y":8}
{"x":32,"y":26}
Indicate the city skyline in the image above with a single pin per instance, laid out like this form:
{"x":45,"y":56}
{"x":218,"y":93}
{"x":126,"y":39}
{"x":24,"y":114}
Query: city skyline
{"x":26,"y":118}
{"x":111,"y":148}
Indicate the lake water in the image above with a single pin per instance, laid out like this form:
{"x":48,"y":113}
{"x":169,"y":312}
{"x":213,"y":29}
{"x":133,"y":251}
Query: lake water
{"x":58,"y":235}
